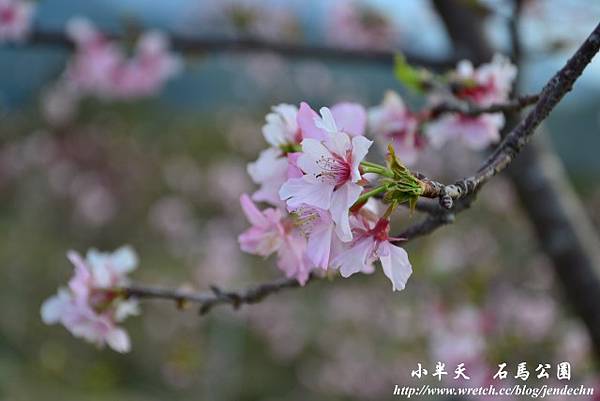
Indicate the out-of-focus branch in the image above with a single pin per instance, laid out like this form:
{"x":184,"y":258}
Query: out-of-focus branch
{"x":198,"y":45}
{"x":473,"y":110}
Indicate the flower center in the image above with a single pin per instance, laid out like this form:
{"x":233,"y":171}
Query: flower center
{"x":381,"y":230}
{"x":334,"y":169}
{"x":305,"y":218}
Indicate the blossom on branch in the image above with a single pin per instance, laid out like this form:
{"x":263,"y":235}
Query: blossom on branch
{"x":395,"y":123}
{"x":483,"y":86}
{"x":331,"y":172}
{"x":91,"y":308}
{"x":371,"y":242}
{"x":101,"y":68}
{"x":15,"y":20}
{"x":285,"y":129}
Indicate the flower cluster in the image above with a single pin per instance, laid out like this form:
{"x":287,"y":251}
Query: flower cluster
{"x":313,"y":176}
{"x":410,"y":132}
{"x":91,"y":307}
{"x":101,"y":68}
{"x":15,"y":20}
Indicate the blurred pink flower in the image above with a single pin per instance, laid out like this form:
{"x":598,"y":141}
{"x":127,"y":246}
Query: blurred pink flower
{"x":100,"y":67}
{"x":393,"y":122}
{"x":475,"y":132}
{"x":487,"y":84}
{"x":356,"y":25}
{"x":15,"y":20}
{"x":271,"y":232}
{"x":89,"y":309}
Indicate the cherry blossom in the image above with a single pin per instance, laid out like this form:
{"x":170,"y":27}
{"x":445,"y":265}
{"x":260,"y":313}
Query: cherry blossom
{"x":285,"y":128}
{"x":359,"y":26}
{"x":396,"y":124}
{"x":101,"y":68}
{"x":475,"y":132}
{"x":371,"y":242}
{"x":272,"y":232}
{"x":331,"y":171}
{"x":483,"y":86}
{"x":15,"y":20}
{"x":90,"y":308}
{"x":488,"y":84}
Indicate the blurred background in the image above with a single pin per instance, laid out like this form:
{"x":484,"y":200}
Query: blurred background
{"x":164,"y":172}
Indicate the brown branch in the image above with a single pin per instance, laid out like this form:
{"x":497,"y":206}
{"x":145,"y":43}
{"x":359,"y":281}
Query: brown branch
{"x":470,"y":109}
{"x":199,"y":45}
{"x":208,"y":300}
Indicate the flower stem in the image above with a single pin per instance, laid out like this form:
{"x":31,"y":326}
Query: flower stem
{"x":368,"y":167}
{"x":365,"y":197}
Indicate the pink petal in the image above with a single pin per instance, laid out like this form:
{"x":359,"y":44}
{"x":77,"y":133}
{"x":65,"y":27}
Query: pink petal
{"x":350,"y":118}
{"x":360,"y":148}
{"x":396,"y":265}
{"x":306,"y":123}
{"x":255,"y":216}
{"x":342,"y":199}
{"x":298,"y":191}
{"x":118,"y":340}
{"x":319,"y":244}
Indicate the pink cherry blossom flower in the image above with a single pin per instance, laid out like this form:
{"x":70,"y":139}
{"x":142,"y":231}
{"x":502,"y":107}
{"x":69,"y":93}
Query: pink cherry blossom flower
{"x":88,"y":308}
{"x":15,"y":20}
{"x":100,"y":67}
{"x":488,"y":84}
{"x":475,"y":132}
{"x":395,"y":123}
{"x":92,"y":67}
{"x":355,"y":25}
{"x":285,"y":128}
{"x":146,"y":73}
{"x":331,"y":171}
{"x":372,"y":242}
{"x":270,"y":233}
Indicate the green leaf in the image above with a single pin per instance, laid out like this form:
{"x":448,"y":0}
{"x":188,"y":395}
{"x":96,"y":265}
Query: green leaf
{"x":411,"y":77}
{"x":403,"y":186}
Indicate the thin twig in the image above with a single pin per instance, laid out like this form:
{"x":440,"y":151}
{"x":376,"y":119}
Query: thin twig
{"x":208,"y":300}
{"x":473,"y":110}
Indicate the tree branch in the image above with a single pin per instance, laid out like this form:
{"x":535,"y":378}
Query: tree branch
{"x":208,"y":300}
{"x":198,"y":45}
{"x":473,"y":110}
{"x":464,"y":191}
